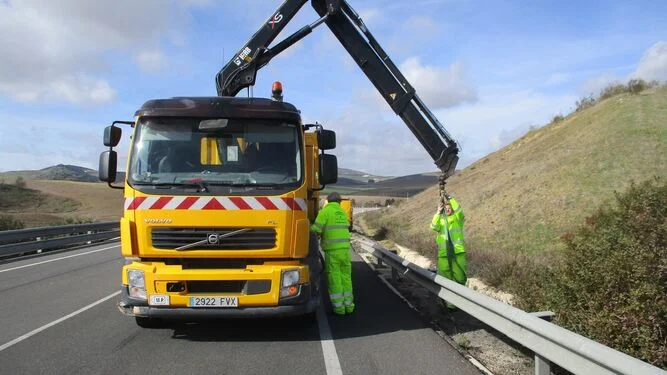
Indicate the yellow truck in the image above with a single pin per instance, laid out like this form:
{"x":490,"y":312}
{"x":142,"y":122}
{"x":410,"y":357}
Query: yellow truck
{"x":219,"y":196}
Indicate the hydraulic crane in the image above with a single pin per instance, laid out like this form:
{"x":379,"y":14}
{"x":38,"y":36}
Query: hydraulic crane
{"x":346,"y":25}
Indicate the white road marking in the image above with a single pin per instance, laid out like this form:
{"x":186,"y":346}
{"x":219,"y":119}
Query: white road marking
{"x":331,"y":362}
{"x":49,"y":325}
{"x":61,"y":258}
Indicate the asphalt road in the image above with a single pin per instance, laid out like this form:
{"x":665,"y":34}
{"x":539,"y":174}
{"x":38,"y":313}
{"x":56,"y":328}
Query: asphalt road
{"x":58,"y":316}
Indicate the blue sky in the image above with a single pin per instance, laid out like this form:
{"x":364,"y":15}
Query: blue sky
{"x":487,"y":69}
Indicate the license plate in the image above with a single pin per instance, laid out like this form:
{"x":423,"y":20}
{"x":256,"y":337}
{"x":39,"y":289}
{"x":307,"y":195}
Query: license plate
{"x":159,"y":300}
{"x":215,"y":301}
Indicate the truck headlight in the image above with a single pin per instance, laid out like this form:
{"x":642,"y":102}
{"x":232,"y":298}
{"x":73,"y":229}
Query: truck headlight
{"x":136,"y":283}
{"x":289,"y":283}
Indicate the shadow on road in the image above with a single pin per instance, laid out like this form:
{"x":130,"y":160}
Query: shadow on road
{"x":378,"y":311}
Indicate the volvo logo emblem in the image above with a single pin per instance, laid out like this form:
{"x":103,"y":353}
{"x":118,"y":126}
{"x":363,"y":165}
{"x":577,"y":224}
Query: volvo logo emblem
{"x":213,"y":238}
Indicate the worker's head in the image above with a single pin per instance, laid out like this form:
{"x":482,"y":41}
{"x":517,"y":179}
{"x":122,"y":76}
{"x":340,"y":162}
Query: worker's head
{"x":333,"y":197}
{"x":448,"y":208}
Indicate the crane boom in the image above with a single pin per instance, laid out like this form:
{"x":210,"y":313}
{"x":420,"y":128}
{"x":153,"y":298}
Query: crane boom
{"x":352,"y":33}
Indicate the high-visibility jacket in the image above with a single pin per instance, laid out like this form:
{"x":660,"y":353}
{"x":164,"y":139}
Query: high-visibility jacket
{"x":452,"y":225}
{"x":334,"y":226}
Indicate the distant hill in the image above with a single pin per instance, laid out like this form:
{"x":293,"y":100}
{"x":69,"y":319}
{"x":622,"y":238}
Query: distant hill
{"x":525,"y":196}
{"x":352,"y":182}
{"x":60,"y":172}
{"x":57,"y":172}
{"x":67,"y":173}
{"x":345,"y":176}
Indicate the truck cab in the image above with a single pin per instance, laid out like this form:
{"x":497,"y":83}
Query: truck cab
{"x":218,"y":200}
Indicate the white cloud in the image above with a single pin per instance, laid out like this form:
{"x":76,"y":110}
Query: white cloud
{"x":198,"y":3}
{"x":372,"y":138}
{"x":426,"y":26}
{"x":439,"y":87}
{"x":594,"y":86}
{"x":59,"y":142}
{"x":376,"y":143}
{"x":558,"y":78}
{"x":499,"y":118}
{"x":151,"y":61}
{"x":370,"y":16}
{"x":57,"y":49}
{"x":79,"y":89}
{"x":653,"y":65}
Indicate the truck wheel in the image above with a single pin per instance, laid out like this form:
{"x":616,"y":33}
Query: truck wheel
{"x":145,"y":322}
{"x":316,"y":264}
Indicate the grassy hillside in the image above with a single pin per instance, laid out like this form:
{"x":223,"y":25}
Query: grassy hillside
{"x":45,"y":203}
{"x":525,"y":196}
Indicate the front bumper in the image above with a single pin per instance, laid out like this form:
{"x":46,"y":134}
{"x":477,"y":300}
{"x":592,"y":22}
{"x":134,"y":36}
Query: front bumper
{"x":301,"y":304}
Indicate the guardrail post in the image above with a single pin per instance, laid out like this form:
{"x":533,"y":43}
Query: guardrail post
{"x":394,"y":275}
{"x":542,"y":365}
{"x":39,"y":251}
{"x":90,"y":232}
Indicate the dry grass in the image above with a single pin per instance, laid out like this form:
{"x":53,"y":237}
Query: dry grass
{"x":94,"y":202}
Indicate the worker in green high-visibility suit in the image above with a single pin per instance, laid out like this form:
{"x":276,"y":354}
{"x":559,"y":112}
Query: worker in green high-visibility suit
{"x":333,"y":225}
{"x":448,"y":222}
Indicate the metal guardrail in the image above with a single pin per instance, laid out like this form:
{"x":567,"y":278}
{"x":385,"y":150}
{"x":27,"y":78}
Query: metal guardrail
{"x":549,"y":342}
{"x":23,"y":241}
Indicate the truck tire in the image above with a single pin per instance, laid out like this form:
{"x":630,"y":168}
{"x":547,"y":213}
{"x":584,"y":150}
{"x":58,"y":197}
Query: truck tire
{"x":316,"y":264}
{"x":145,"y":322}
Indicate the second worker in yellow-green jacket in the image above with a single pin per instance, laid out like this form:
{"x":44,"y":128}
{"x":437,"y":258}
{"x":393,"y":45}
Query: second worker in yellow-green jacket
{"x":448,"y":222}
{"x":333,"y":226}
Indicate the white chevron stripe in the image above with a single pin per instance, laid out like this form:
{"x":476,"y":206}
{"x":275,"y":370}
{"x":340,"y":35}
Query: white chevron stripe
{"x":200,"y":203}
{"x":253,"y":203}
{"x":147,"y":203}
{"x":173,"y":203}
{"x":227,"y":203}
{"x":278,"y":202}
{"x":301,"y":203}
{"x":128,"y":202}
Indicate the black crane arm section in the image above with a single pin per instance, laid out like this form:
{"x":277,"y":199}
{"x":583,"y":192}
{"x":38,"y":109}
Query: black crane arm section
{"x":352,"y":33}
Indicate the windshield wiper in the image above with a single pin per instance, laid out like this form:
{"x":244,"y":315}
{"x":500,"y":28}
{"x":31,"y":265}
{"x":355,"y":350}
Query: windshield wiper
{"x":197,"y":183}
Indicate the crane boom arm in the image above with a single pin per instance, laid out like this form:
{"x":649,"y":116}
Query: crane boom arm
{"x":352,"y":33}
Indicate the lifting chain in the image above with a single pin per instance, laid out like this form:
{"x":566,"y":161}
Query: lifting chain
{"x":444,"y":198}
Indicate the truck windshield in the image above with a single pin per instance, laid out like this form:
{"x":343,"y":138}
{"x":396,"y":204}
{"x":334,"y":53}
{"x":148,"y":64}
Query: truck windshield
{"x":237,"y":152}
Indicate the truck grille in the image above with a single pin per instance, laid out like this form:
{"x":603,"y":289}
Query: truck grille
{"x":252,"y":239}
{"x":248,"y":287}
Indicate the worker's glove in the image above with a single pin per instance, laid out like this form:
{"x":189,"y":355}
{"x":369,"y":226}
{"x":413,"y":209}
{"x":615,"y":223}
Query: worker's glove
{"x":441,"y":207}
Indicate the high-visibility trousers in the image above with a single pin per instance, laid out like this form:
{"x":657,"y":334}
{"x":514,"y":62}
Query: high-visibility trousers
{"x":338,"y":266}
{"x":459,"y":268}
{"x":457,"y":273}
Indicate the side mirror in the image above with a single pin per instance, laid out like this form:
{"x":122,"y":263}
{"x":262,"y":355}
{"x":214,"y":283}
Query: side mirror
{"x":112,"y":136}
{"x":108,"y":165}
{"x":326,"y":139}
{"x":328,"y":169}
